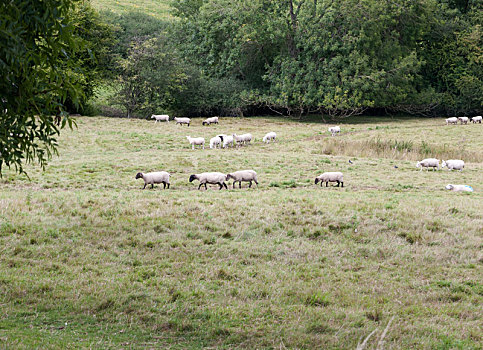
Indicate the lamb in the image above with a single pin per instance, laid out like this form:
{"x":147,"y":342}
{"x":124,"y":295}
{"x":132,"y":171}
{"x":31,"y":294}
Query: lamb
{"x":327,"y":177}
{"x":242,"y":139}
{"x":154,"y":178}
{"x":271,"y":136}
{"x":457,"y":164}
{"x":459,"y":188}
{"x":215,"y":141}
{"x":199,"y":141}
{"x":212,"y":120}
{"x":428,"y":163}
{"x":243,"y":175}
{"x":463,"y":120}
{"x":210,"y":178}
{"x":334,"y":130}
{"x":452,"y":120}
{"x":160,"y":118}
{"x":246,"y":138}
{"x":476,"y":119}
{"x":182,"y":121}
{"x":227,"y":140}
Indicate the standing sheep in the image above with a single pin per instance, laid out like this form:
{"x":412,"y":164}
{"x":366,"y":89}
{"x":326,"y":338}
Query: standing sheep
{"x":210,"y":178}
{"x":160,"y":118}
{"x":215,"y":141}
{"x":182,"y":121}
{"x":452,"y":120}
{"x":271,"y":136}
{"x":242,"y":139}
{"x":456,"y":164}
{"x":330,"y":177}
{"x":476,"y":119}
{"x":334,"y":130}
{"x":212,"y":120}
{"x":428,"y":163}
{"x":154,"y":178}
{"x":199,"y":141}
{"x":463,"y":120}
{"x":243,"y":175}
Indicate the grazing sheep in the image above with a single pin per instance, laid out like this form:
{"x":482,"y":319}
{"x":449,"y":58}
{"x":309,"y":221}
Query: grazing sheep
{"x":199,"y":141}
{"x":154,"y":178}
{"x":459,"y":188}
{"x":334,"y":130}
{"x":271,"y":136}
{"x":247,"y":138}
{"x":456,"y":164}
{"x":330,"y":177}
{"x":160,"y":118}
{"x":476,"y":119}
{"x":238,"y":139}
{"x":452,"y":120}
{"x":242,"y":139}
{"x":210,"y":178}
{"x":243,"y":175}
{"x":215,"y":141}
{"x":212,"y":120}
{"x":227,"y":140}
{"x":182,"y":121}
{"x":463,"y":120}
{"x":428,"y":163}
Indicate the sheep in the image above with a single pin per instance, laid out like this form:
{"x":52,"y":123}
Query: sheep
{"x":160,"y":118}
{"x":452,"y":120}
{"x":243,"y":175}
{"x":476,"y":119}
{"x":210,"y":178}
{"x":154,"y":178}
{"x":330,"y":177}
{"x":463,"y":120}
{"x":182,"y":121}
{"x":215,"y":141}
{"x":199,"y":141}
{"x":457,"y":164}
{"x":459,"y":188}
{"x":240,"y":139}
{"x":212,"y":120}
{"x":334,"y":130}
{"x":428,"y":163}
{"x":246,"y":138}
{"x":227,"y":140}
{"x":271,"y":136}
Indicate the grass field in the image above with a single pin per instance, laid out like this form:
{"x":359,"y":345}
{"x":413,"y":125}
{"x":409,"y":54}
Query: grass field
{"x":156,"y":8}
{"x":88,"y":259}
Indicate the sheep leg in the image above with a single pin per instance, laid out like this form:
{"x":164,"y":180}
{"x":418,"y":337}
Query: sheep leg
{"x":256,"y":182}
{"x":327,"y":184}
{"x":206,"y":188}
{"x":224,"y":184}
{"x":152,"y":185}
{"x":144,"y":186}
{"x":200,"y":185}
{"x":342,"y":184}
{"x":221,"y":186}
{"x":164,"y":185}
{"x":250,"y":185}
{"x":168,"y":185}
{"x":239,"y":183}
{"x":338,"y":183}
{"x":234,"y":184}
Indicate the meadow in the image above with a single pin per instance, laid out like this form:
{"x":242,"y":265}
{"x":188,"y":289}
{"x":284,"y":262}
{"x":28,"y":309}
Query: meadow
{"x":90,"y":260}
{"x":157,"y":8}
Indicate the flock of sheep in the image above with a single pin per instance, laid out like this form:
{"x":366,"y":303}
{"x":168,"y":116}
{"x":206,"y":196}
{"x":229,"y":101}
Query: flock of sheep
{"x":223,"y":141}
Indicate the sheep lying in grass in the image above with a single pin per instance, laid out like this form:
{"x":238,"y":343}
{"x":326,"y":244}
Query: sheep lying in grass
{"x":456,"y":164}
{"x":182,"y":121}
{"x":271,"y":136}
{"x":210,"y":178}
{"x":215,"y":141}
{"x":199,"y":141}
{"x":330,"y":177}
{"x":243,"y":175}
{"x":476,"y":119}
{"x":154,"y":178}
{"x":428,"y":163}
{"x":459,"y":188}
{"x":160,"y":118}
{"x":212,"y":120}
{"x":334,"y":130}
{"x":452,"y":120}
{"x":463,"y":120}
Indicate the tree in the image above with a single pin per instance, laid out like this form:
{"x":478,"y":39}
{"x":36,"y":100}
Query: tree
{"x":36,"y":44}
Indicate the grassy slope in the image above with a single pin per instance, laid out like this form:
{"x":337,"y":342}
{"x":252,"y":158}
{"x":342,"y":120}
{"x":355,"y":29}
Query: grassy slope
{"x":88,"y":259}
{"x":156,"y":8}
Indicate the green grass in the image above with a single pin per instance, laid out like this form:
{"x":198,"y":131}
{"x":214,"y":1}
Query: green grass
{"x":88,"y":259}
{"x":157,"y":8}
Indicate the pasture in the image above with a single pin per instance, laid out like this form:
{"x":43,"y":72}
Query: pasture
{"x":88,"y":259}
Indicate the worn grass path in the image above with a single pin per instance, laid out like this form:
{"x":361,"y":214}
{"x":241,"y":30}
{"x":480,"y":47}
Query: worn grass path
{"x":88,"y":259}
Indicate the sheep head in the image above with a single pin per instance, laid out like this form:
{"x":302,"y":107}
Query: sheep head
{"x":139,"y":175}
{"x":192,"y":177}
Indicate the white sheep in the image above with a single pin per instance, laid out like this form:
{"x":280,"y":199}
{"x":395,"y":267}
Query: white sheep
{"x":210,"y":178}
{"x":463,"y":120}
{"x":199,"y":141}
{"x":246,"y":138}
{"x":456,"y":164}
{"x":428,"y":163}
{"x":160,"y":118}
{"x":154,"y":178}
{"x":243,"y":175}
{"x":476,"y":119}
{"x":182,"y":121}
{"x":227,"y":140}
{"x":334,"y":130}
{"x":459,"y":188}
{"x":215,"y":141}
{"x":238,"y":139}
{"x":212,"y":120}
{"x":271,"y":136}
{"x":452,"y":120}
{"x":327,"y":177}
